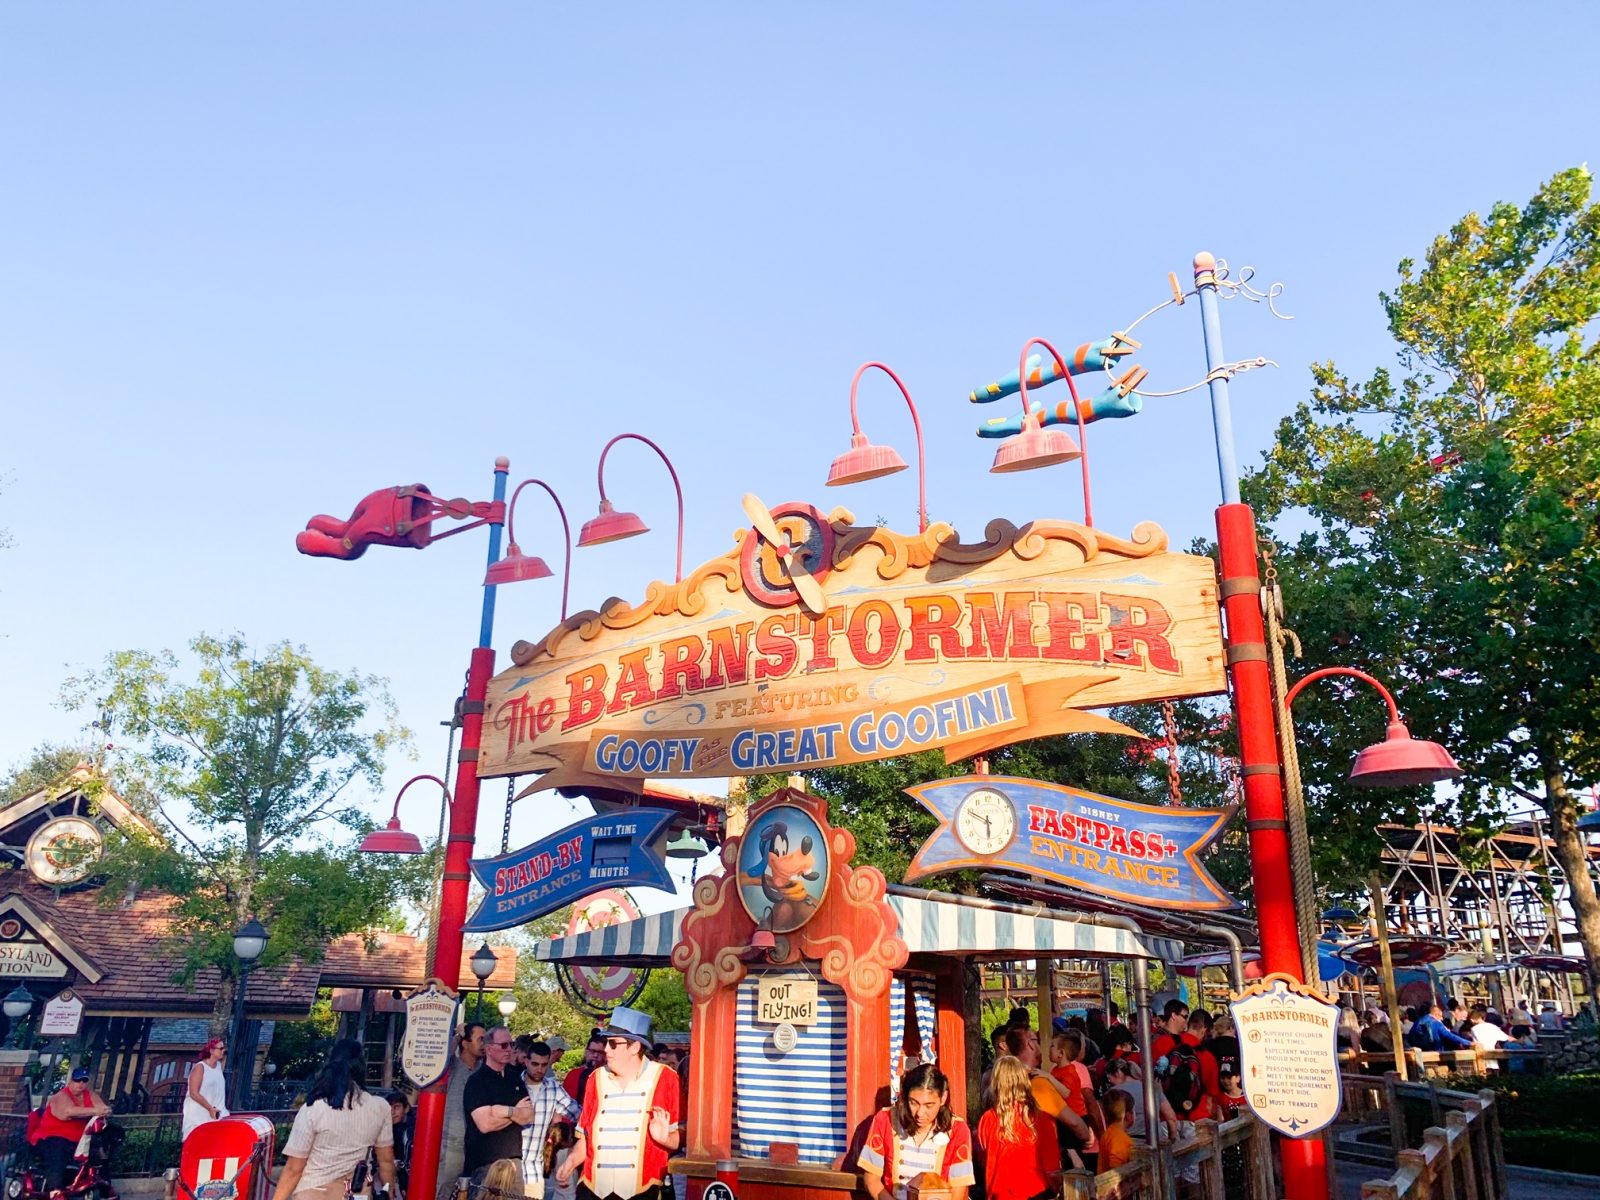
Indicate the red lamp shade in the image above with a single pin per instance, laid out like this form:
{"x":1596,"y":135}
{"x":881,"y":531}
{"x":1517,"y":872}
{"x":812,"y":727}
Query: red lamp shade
{"x":515,"y":567}
{"x":763,"y":939}
{"x":864,"y":461}
{"x":610,"y":526}
{"x":1035,"y":446}
{"x":1401,"y":760}
{"x":391,"y":840}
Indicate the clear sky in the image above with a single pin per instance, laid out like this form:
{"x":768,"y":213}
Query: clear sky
{"x":258,"y":260}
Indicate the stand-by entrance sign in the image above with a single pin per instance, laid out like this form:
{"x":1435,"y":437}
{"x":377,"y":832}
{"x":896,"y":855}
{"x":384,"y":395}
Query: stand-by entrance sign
{"x":1288,"y":1054}
{"x":430,"y":1024}
{"x":890,"y":643}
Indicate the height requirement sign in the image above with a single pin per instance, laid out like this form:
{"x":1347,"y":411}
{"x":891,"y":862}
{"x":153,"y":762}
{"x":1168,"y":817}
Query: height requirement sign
{"x":843,"y":643}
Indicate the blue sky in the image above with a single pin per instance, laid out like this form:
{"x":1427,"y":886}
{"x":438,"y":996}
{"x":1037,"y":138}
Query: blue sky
{"x":256,"y":261}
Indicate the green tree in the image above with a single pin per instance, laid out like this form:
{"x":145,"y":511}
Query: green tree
{"x":260,"y":750}
{"x":666,"y":1000}
{"x":1452,"y":547}
{"x":47,"y":766}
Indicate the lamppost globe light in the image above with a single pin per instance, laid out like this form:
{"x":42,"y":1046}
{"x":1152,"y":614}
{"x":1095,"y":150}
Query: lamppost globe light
{"x":18,"y":1002}
{"x":507,"y":1004}
{"x":250,"y":941}
{"x":484,"y":962}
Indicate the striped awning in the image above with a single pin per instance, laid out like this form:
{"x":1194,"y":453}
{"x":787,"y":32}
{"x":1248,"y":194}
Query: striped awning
{"x":940,"y":923}
{"x":646,"y":942}
{"x":930,"y":923}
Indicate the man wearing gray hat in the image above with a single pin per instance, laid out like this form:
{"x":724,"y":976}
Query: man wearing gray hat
{"x":631,"y":1119}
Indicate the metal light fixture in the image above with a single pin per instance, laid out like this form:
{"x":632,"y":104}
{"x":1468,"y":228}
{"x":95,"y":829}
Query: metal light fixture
{"x":507,"y":1004}
{"x":609,"y":525}
{"x":516,"y":566}
{"x":17,"y":1005}
{"x":1039,"y":445}
{"x":687,"y":845}
{"x":864,"y":461}
{"x":391,"y":839}
{"x":250,"y":941}
{"x":483,"y":964}
{"x":1400,"y":760}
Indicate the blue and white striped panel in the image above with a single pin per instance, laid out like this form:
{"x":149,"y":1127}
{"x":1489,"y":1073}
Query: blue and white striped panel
{"x":897,"y":1033}
{"x":649,"y":937}
{"x":927,"y":1018}
{"x":796,"y":1097}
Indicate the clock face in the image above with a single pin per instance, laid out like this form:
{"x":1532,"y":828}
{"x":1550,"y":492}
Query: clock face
{"x":985,"y":822}
{"x":64,"y":850}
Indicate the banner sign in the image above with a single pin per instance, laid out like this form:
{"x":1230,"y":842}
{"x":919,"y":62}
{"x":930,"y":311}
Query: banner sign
{"x":426,"y":1050}
{"x":598,"y":852}
{"x":1288,"y":1054}
{"x":1132,"y":852}
{"x":847,"y":643}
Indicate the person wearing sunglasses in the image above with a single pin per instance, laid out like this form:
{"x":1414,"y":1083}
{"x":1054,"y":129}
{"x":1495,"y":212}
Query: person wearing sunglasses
{"x":497,"y":1106}
{"x":631,"y":1120}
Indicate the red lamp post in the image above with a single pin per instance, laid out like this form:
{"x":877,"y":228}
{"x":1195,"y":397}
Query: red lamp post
{"x":609,"y":525}
{"x":325,"y":542}
{"x":1039,"y":445}
{"x":864,"y":461}
{"x":517,"y":566}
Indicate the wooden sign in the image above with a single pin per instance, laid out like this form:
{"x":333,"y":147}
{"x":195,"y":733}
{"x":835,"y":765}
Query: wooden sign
{"x":62,"y":1016}
{"x":1288,"y":1054}
{"x":898,"y":643}
{"x":429,"y":1043}
{"x":1132,"y":852}
{"x":786,"y":999}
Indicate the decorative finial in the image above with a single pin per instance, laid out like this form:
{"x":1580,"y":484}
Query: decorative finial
{"x":504,"y":464}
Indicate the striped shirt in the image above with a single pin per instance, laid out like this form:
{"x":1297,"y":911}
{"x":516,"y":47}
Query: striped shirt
{"x":334,"y":1140}
{"x":550,"y":1100}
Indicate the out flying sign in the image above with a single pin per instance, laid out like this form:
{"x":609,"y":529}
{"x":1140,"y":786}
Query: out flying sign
{"x":599,"y":852}
{"x":1133,"y":852}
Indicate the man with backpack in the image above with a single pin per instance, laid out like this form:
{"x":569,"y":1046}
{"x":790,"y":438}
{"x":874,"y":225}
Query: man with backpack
{"x":1187,"y":1071}
{"x":57,"y":1125}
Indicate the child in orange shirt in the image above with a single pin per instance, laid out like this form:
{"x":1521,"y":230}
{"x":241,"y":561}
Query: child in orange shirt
{"x":1116,"y":1147}
{"x":1066,"y":1058}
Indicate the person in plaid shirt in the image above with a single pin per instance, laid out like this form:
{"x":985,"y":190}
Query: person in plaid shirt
{"x":550,"y":1104}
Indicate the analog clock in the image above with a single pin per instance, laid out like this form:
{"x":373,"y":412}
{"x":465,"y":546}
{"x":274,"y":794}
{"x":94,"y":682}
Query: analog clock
{"x":985,"y":822}
{"x":64,"y":850}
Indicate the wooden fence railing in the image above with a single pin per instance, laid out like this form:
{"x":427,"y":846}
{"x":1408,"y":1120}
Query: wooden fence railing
{"x":1229,"y":1161}
{"x":1460,"y":1157}
{"x":1424,"y":1063}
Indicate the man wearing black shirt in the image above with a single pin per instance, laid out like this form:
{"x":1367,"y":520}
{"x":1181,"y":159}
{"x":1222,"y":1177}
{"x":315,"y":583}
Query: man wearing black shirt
{"x":497,"y":1107}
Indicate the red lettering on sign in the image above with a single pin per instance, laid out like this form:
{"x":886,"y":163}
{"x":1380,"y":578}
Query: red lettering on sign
{"x":683,"y":662}
{"x":1005,"y":632}
{"x":1067,"y":613}
{"x":1137,"y":621}
{"x":730,"y":655}
{"x":888,"y":630}
{"x":933,"y":619}
{"x":822,"y":632}
{"x":586,"y":697}
{"x":633,"y":682}
{"x":774,"y":640}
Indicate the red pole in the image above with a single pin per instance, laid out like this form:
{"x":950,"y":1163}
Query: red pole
{"x":453,"y":911}
{"x":1304,"y":1161}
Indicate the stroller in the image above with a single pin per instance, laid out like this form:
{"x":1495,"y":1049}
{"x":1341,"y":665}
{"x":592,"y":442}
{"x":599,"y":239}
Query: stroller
{"x":88,"y":1177}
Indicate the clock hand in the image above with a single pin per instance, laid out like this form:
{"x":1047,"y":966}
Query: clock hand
{"x":988,"y":826}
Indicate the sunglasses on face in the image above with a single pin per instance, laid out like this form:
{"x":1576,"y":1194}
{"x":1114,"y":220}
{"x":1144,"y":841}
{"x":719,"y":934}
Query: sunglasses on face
{"x":616,"y":1043}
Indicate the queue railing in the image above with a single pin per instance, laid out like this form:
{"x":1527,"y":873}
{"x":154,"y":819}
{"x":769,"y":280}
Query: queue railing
{"x":1231,"y":1160}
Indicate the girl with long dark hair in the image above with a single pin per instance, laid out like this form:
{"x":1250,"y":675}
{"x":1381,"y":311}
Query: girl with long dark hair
{"x":340,"y":1124}
{"x":916,"y":1134}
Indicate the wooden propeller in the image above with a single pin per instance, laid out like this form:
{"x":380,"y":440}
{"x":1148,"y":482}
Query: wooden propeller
{"x":808,"y":589}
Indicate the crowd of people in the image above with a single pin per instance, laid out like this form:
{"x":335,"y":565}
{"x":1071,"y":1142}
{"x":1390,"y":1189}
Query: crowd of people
{"x":1451,"y":1026}
{"x":1074,"y":1102}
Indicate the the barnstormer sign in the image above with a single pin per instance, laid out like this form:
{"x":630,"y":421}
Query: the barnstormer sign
{"x":845,"y":643}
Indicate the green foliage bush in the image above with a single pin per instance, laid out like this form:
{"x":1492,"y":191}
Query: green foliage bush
{"x":1554,"y":1149}
{"x":1546,"y":1121}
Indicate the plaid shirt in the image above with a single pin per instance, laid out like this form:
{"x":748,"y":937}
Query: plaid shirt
{"x":550,"y":1100}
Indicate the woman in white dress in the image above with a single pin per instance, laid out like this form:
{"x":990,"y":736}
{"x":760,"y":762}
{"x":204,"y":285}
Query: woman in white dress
{"x":206,"y":1093}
